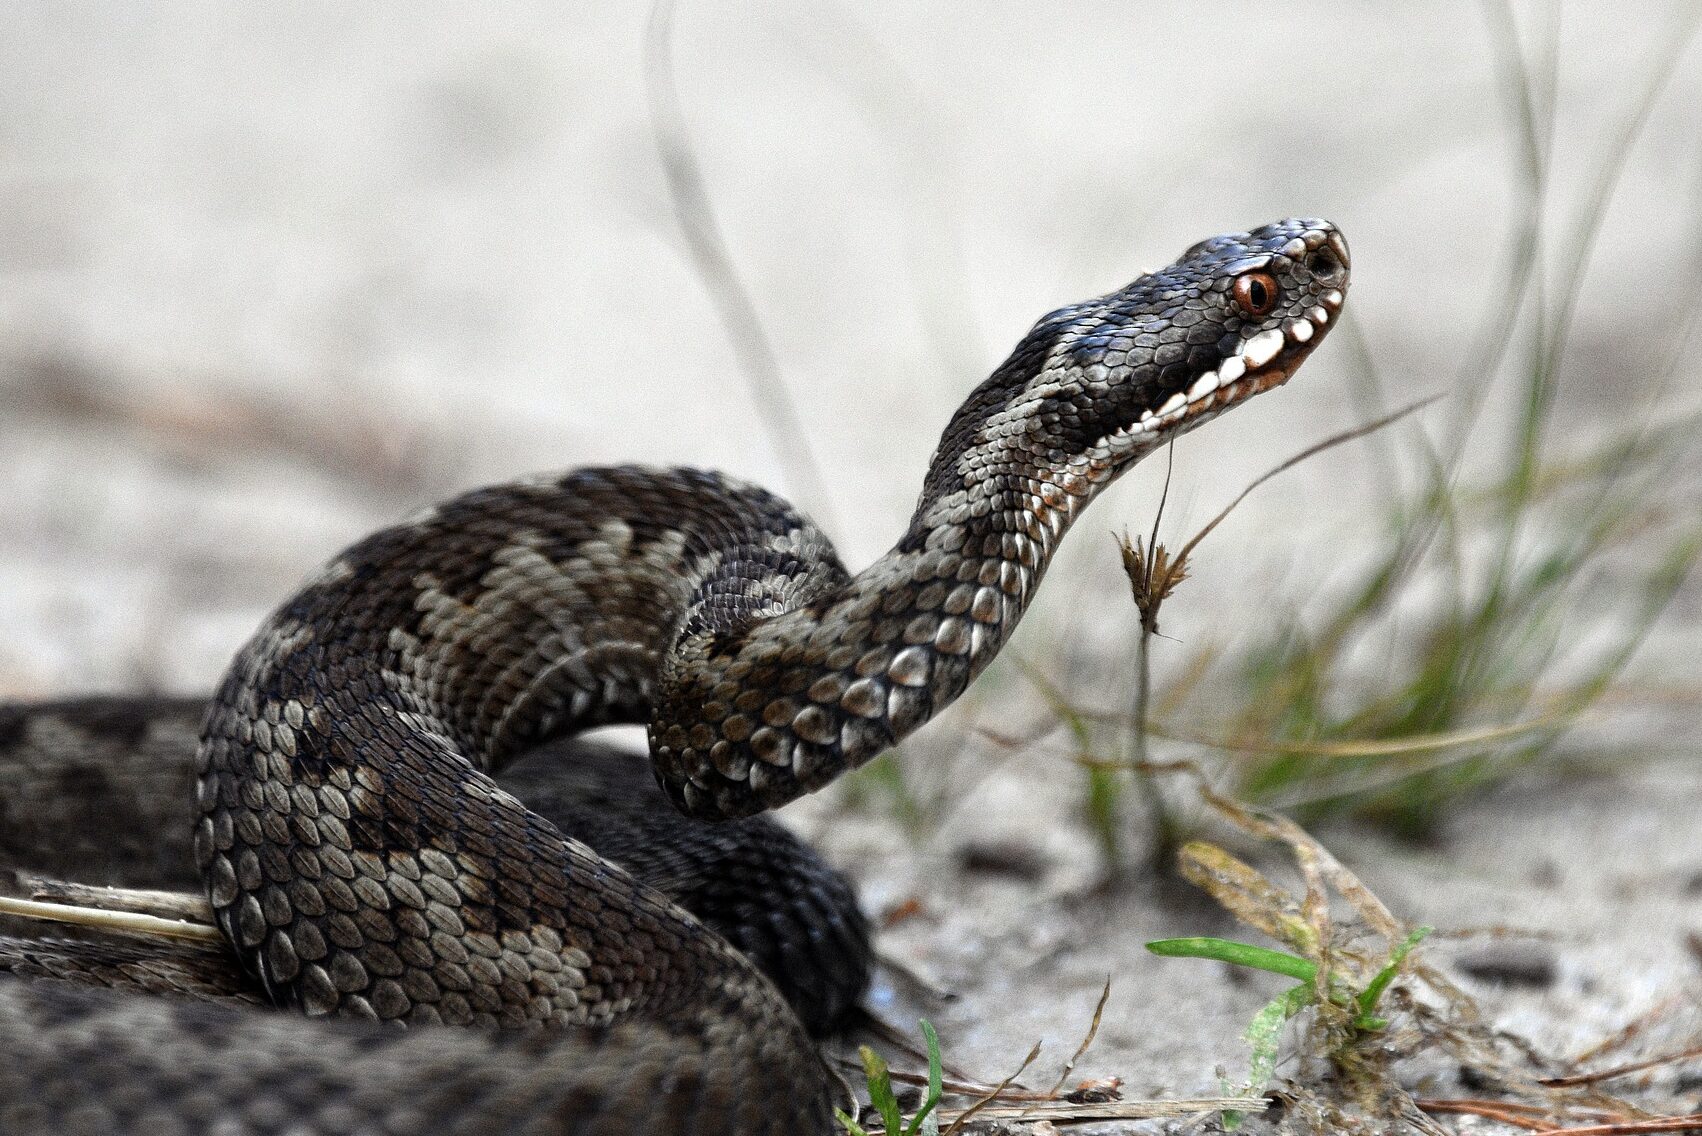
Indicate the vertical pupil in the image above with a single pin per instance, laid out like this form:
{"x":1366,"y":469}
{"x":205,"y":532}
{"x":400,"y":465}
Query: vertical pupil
{"x":1256,"y":292}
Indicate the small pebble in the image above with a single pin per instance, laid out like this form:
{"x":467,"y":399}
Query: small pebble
{"x":1002,"y":858}
{"x":1512,"y":964}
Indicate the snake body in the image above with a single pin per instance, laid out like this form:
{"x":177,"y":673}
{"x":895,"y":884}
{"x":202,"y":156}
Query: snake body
{"x":101,"y":790}
{"x":365,"y":864}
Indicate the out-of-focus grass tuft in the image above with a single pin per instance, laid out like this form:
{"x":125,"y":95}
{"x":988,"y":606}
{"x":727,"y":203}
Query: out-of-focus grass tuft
{"x":1520,"y":575}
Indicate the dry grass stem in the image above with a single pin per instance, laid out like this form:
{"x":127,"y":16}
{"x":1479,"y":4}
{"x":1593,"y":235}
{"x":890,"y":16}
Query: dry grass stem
{"x":177,"y":905}
{"x":694,"y":207}
{"x":1152,"y":577}
{"x":1071,"y":1112}
{"x":124,"y":922}
{"x":1623,"y":1070}
{"x":1086,"y":1041}
{"x":962,"y":1116}
{"x":1245,"y":894}
{"x":334,"y":434}
{"x":1309,"y":452}
{"x":1632,"y":1030}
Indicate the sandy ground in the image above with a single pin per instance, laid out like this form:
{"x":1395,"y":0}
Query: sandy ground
{"x":270,"y":279}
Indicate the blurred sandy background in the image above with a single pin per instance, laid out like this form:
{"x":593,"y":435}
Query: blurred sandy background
{"x":271,"y":276}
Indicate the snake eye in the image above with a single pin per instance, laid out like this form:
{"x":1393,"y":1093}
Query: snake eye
{"x":1255,"y":293}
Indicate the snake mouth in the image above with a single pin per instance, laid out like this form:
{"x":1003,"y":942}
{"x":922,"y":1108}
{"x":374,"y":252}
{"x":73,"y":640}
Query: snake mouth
{"x":1263,"y":362}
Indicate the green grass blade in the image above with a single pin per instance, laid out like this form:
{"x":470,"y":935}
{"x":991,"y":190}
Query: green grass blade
{"x":925,"y":1122}
{"x":1264,"y":1035}
{"x":1366,"y":1000}
{"x":879,"y":1079}
{"x":1237,"y":954}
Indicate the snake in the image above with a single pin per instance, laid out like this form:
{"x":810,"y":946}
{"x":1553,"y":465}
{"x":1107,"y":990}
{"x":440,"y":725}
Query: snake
{"x":369,"y":870}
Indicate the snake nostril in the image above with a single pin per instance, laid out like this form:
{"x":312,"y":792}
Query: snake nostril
{"x":1324,"y":266}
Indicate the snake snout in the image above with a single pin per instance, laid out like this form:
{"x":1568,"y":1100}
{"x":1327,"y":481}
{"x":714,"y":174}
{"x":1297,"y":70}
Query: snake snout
{"x":1329,"y":263}
{"x":1327,"y":266}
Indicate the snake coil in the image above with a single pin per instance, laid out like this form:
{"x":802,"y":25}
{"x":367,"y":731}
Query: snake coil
{"x":364,"y":864}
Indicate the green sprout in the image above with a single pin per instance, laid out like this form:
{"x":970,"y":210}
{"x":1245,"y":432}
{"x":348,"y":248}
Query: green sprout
{"x":879,"y":1080}
{"x":1264,"y":1031}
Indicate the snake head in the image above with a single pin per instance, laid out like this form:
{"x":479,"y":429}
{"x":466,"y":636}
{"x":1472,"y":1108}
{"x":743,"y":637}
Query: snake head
{"x":1097,"y":385}
{"x":1233,"y":317}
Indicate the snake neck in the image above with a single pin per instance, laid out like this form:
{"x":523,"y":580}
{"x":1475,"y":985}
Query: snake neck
{"x":752,"y":714}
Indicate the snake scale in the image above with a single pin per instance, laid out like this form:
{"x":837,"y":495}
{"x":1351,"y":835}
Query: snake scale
{"x":365,"y":865}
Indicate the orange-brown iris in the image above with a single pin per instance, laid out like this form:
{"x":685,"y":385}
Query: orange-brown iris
{"x":1255,"y":293}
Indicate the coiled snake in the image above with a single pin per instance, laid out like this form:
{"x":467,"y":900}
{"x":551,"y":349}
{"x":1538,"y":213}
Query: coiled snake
{"x":364,"y":864}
